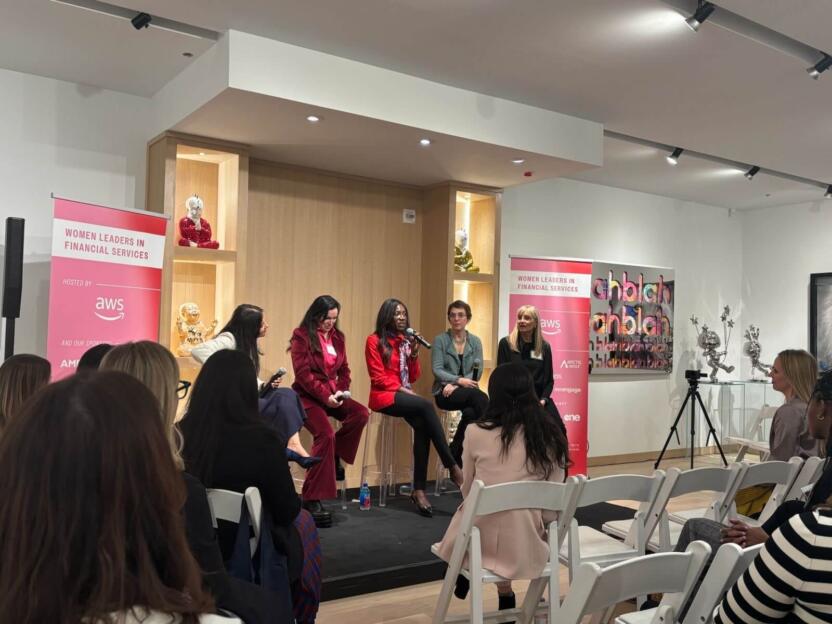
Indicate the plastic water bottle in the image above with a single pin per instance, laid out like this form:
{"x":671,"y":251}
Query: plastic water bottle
{"x":364,"y":503}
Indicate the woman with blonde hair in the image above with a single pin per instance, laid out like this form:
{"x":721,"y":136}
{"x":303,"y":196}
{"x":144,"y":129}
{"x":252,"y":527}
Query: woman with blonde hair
{"x":20,"y":377}
{"x":525,"y":345}
{"x":793,"y":373}
{"x":156,"y":368}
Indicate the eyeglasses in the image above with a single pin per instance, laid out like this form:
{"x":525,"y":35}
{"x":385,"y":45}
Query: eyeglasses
{"x":182,"y":389}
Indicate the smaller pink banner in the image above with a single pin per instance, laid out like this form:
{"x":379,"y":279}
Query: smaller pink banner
{"x":105,"y":282}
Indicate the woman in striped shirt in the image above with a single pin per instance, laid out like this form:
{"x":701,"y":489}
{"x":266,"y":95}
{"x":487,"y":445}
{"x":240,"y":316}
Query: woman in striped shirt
{"x":791,"y":579}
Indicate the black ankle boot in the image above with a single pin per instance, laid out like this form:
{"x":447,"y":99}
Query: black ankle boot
{"x":462,"y":587}
{"x":507,"y":601}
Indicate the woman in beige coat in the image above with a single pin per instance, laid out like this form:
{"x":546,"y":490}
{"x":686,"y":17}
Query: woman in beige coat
{"x":517,"y":440}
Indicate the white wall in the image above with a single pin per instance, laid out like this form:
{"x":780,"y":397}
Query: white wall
{"x":566,"y":218}
{"x":781,"y":247}
{"x":74,"y":141}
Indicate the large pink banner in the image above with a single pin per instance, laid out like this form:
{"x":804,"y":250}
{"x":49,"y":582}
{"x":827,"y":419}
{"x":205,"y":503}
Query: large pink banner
{"x":560,"y":291}
{"x":106,"y":279}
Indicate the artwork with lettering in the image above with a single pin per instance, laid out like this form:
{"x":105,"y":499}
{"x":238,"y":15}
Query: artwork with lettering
{"x":560,"y":290}
{"x":631,"y":323}
{"x":105,"y":281}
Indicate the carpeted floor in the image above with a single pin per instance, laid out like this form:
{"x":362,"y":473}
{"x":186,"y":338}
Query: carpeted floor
{"x":383,"y":548}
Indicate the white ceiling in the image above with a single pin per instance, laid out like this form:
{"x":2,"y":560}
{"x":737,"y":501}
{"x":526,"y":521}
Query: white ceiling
{"x":632,"y":66}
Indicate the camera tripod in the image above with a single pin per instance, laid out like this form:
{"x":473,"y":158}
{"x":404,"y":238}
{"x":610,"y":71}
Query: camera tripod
{"x":694,"y":397}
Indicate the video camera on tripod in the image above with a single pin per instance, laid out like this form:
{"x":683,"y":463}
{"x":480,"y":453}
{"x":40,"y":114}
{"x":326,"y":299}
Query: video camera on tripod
{"x":693,"y":376}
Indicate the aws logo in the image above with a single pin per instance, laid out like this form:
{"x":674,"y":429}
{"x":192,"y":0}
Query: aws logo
{"x":109,"y":308}
{"x":550,"y":327}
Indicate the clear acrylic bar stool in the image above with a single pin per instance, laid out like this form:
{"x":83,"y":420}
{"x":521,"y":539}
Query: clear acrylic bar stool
{"x":386,"y":467}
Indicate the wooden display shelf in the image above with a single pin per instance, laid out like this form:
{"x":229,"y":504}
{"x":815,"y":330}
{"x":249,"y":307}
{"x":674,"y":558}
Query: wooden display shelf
{"x":204,"y":256}
{"x":479,"y":278}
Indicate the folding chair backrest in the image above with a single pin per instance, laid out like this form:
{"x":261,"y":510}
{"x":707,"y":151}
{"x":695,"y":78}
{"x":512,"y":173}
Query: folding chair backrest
{"x":777,"y":472}
{"x":595,"y":589}
{"x":723,"y":480}
{"x":729,"y":563}
{"x":630,"y":487}
{"x":227,"y":505}
{"x":807,"y":477}
{"x":756,"y":429}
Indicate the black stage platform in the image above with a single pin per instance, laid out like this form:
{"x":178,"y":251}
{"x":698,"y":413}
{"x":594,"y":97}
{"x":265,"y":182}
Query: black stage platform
{"x":388,"y":547}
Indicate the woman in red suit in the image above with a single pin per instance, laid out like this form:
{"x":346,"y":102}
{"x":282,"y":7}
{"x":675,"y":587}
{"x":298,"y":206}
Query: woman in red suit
{"x":393,"y":364}
{"x":319,"y":357}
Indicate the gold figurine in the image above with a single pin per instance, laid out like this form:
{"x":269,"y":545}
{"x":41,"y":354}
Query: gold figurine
{"x":192,"y":331}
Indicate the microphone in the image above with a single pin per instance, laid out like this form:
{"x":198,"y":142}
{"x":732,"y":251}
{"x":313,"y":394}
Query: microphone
{"x":412,"y":332}
{"x":341,"y":395}
{"x":279,"y":373}
{"x":267,"y":387}
{"x":477,"y":365}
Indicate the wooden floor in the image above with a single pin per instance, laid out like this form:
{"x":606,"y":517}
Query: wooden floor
{"x":414,"y":604}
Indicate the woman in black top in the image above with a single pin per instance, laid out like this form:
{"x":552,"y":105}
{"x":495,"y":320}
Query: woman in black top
{"x":228,"y":446}
{"x":525,"y":345}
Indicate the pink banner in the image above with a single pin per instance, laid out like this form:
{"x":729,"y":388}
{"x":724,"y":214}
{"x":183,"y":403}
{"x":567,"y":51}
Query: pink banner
{"x":560,"y":290}
{"x":106,"y":280}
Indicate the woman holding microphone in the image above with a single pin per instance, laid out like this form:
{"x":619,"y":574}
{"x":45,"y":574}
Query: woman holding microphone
{"x":393,"y":365}
{"x":457,"y":362}
{"x":322,"y":377}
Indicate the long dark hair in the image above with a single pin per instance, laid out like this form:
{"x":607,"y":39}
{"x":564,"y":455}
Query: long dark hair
{"x":245,"y":325}
{"x":386,"y":326}
{"x":513,"y":403}
{"x":225,"y":392}
{"x":92,"y":508}
{"x":316,"y":313}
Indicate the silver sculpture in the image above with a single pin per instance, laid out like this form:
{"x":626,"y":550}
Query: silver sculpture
{"x":709,"y":341}
{"x":752,"y":349}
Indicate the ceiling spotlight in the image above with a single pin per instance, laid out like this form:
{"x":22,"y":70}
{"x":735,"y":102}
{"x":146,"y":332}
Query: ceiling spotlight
{"x":821,"y":66}
{"x":703,"y":12}
{"x":141,"y":20}
{"x":518,"y":161}
{"x":828,"y":193}
{"x":313,"y":118}
{"x":424,"y":142}
{"x":752,"y":172}
{"x":673,"y":159}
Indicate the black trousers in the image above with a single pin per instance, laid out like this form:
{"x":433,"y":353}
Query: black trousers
{"x":472,"y":402}
{"x":420,"y":415}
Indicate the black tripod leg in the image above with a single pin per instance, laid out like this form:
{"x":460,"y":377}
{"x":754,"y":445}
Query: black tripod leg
{"x":673,"y":429}
{"x":711,"y":430}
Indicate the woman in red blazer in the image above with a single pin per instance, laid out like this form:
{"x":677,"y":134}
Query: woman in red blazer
{"x":319,"y":357}
{"x":393,"y":364}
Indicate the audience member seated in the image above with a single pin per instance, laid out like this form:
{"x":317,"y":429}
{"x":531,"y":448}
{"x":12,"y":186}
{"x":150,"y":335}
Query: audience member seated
{"x":21,"y":376}
{"x":91,"y":527}
{"x":793,"y":373}
{"x":517,"y":440}
{"x":156,"y":368}
{"x":457,"y":362}
{"x":228,"y":446}
{"x":281,"y":407}
{"x":91,"y":359}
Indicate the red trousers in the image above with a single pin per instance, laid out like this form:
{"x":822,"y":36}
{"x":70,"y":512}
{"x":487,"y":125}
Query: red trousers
{"x":320,"y":479}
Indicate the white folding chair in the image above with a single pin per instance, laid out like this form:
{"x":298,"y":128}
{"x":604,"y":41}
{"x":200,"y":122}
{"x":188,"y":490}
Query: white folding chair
{"x":227,"y":505}
{"x":806,"y":479}
{"x":756,"y":438}
{"x":729,"y":563}
{"x":586,"y":544}
{"x":781,"y":474}
{"x":483,"y":501}
{"x":677,"y":483}
{"x":595,"y":590}
{"x":725,"y":488}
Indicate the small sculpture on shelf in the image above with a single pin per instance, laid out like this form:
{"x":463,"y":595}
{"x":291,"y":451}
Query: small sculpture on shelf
{"x":195,"y":231}
{"x":463,"y":260}
{"x":709,"y":341}
{"x":192,"y":331}
{"x":753,"y":350}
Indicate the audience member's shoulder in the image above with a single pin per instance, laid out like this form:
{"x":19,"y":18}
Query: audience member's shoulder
{"x":809,"y":526}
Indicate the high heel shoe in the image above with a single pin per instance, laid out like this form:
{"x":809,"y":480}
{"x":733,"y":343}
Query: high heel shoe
{"x":425,"y":510}
{"x":305,"y":462}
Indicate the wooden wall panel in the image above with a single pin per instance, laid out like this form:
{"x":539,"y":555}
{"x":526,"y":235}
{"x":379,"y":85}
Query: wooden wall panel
{"x":311,"y":233}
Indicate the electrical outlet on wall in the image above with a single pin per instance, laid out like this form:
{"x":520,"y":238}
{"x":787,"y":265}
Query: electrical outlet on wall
{"x":408,"y":216}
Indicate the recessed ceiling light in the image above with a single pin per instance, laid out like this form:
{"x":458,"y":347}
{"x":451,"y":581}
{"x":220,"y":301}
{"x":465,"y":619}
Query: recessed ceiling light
{"x":313,"y":118}
{"x":518,"y":161}
{"x":424,"y":142}
{"x":187,"y":54}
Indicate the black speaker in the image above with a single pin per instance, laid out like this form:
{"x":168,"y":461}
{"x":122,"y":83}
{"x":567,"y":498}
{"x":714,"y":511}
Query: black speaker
{"x":13,"y":267}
